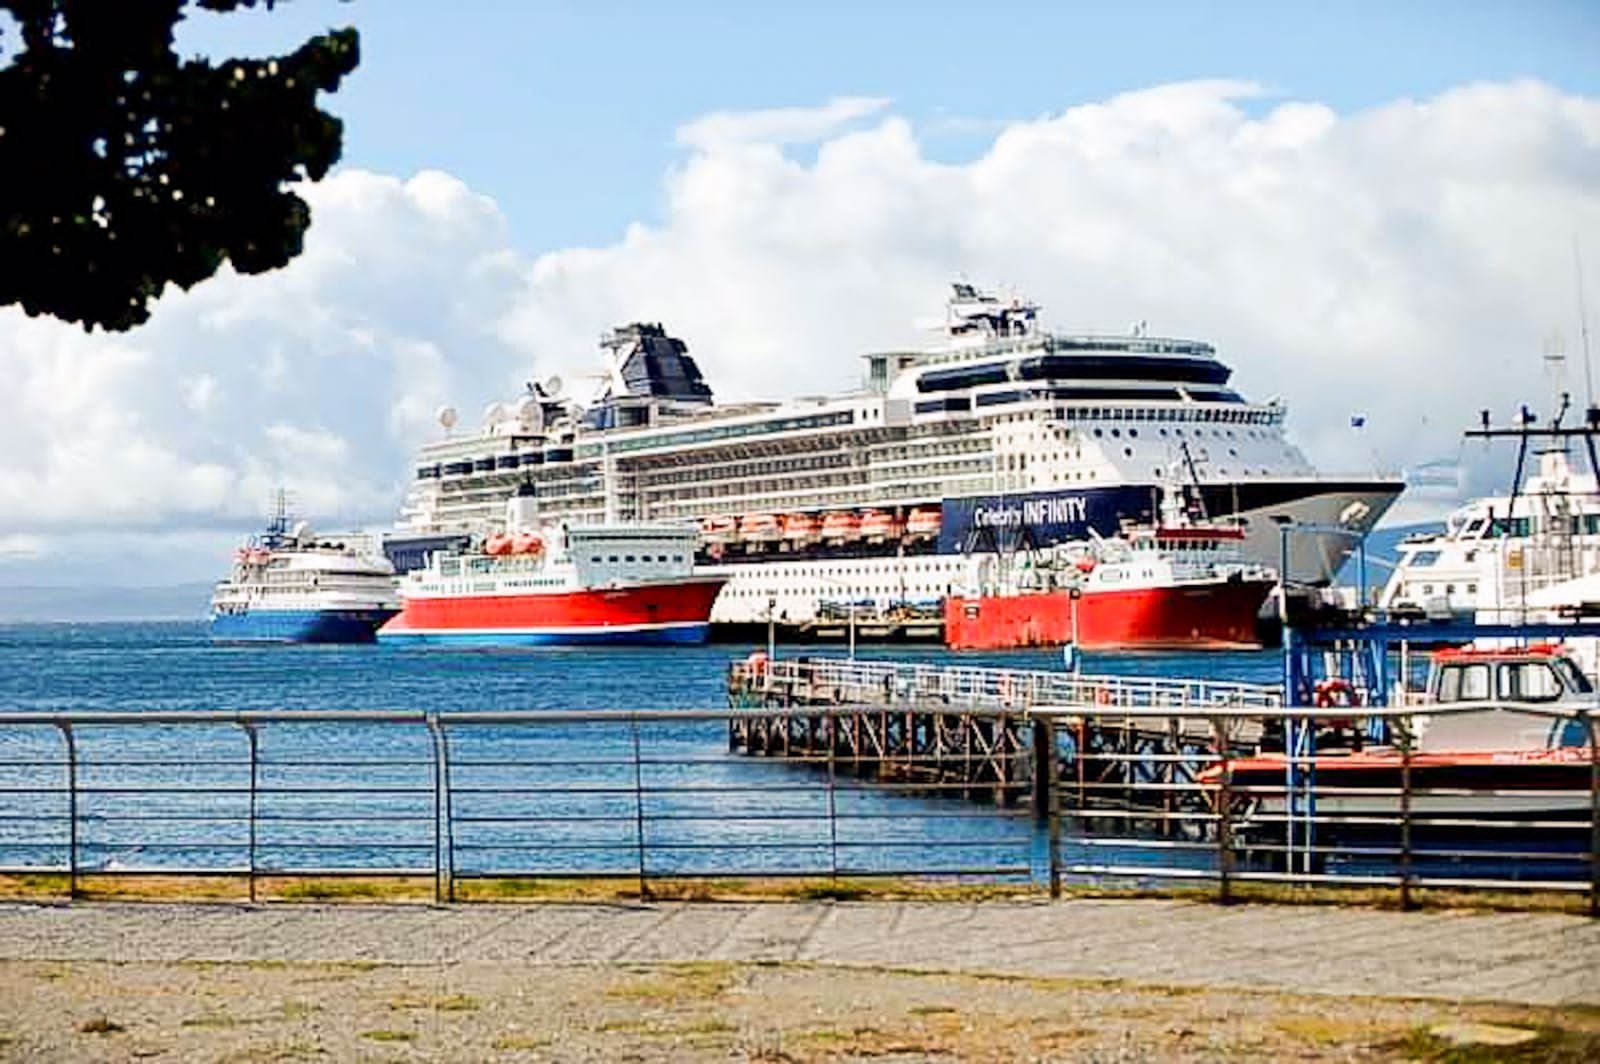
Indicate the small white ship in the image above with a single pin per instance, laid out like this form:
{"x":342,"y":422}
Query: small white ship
{"x":288,"y":586}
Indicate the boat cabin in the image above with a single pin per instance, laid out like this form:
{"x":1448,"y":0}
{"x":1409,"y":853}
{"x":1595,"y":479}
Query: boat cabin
{"x":1542,"y":674}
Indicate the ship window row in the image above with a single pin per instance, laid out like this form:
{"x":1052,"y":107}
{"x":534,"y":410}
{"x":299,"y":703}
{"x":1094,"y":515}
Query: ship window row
{"x":726,"y":470}
{"x":727,"y":432}
{"x":1232,"y":417}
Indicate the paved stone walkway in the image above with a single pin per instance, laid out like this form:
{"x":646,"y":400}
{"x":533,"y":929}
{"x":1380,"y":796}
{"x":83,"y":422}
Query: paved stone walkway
{"x":1528,"y":958}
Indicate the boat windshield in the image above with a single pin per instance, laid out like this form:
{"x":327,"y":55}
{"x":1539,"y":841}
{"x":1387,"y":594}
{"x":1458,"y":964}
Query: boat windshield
{"x":1574,"y":676}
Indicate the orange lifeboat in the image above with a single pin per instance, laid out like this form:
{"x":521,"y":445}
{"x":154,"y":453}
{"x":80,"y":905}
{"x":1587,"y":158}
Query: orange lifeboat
{"x":879,"y":525}
{"x":499,"y":543}
{"x":841,"y":525}
{"x":799,"y":528}
{"x":759,"y":528}
{"x":719,"y":529}
{"x":923,"y":522}
{"x":527,"y":543}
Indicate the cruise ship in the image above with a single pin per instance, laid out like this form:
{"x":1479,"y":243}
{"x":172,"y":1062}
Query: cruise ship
{"x":1002,"y":435}
{"x":289,"y":586}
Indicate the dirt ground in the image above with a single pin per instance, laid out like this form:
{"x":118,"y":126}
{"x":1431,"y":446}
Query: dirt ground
{"x":775,"y":1012}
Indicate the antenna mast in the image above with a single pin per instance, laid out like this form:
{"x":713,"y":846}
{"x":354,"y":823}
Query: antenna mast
{"x":1592,"y":415}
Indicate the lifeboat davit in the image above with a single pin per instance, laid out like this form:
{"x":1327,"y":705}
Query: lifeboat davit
{"x":499,"y":543}
{"x":923,"y":522}
{"x":759,"y":528}
{"x":841,"y":525}
{"x":880,"y":525}
{"x":799,"y":528}
{"x":527,"y":543}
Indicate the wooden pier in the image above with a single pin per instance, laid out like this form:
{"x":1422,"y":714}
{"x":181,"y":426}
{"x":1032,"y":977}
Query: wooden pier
{"x":999,"y":736}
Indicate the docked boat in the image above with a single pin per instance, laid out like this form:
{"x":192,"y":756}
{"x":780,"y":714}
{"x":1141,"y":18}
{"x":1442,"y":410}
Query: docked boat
{"x":1002,"y":428}
{"x":1181,"y":585}
{"x":540,"y":583}
{"x":1500,"y":758}
{"x":290,"y":586}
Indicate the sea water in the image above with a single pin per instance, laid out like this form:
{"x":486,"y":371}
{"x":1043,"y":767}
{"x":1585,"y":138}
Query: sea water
{"x":557,"y":798}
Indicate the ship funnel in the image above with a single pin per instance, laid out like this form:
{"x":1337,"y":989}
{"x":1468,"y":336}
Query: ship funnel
{"x":522,"y":509}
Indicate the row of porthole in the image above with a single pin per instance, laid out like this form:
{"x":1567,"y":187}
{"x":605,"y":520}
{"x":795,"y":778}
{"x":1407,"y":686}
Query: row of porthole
{"x":1196,"y":433}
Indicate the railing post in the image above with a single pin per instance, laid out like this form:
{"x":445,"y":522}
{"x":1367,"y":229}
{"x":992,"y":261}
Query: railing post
{"x":1047,"y":796}
{"x":638,"y":806}
{"x":832,"y":725}
{"x":250,"y":739}
{"x":1405,"y":813}
{"x":1225,"y":868}
{"x":72,"y":810}
{"x":436,"y":737}
{"x":445,"y":859}
{"x":1594,"y":812}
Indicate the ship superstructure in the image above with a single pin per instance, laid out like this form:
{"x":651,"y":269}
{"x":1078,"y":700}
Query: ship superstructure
{"x":1001,"y":431}
{"x":1518,"y":556}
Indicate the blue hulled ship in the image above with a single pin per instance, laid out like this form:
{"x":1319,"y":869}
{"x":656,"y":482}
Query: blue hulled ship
{"x":288,"y":586}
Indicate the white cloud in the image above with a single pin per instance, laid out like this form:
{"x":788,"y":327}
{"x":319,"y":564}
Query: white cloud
{"x":778,"y":125}
{"x":314,"y":378}
{"x":1404,"y":261}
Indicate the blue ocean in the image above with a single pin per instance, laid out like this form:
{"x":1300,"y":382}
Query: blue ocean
{"x":558,"y":798}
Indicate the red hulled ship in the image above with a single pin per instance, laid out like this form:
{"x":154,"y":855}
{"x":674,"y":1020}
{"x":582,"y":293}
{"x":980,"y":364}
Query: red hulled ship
{"x":1165,"y":588}
{"x":559,"y":585}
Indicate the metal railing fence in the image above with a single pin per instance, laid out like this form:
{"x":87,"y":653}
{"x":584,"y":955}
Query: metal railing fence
{"x":1143,"y":793}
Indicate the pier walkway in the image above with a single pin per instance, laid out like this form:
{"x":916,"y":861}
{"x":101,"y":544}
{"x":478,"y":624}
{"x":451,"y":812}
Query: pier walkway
{"x":1521,"y":958}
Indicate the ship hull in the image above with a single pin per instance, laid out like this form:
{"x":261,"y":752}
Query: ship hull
{"x":1210,"y":615}
{"x":675,"y":613}
{"x":299,"y":626}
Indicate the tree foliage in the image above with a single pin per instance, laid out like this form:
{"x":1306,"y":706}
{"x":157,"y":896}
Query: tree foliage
{"x":123,"y":168}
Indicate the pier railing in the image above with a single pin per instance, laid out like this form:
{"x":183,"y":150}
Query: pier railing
{"x":1149,"y":793}
{"x":858,"y":681}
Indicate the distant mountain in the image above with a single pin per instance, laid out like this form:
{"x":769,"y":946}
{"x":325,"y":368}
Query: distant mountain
{"x":175,"y":602}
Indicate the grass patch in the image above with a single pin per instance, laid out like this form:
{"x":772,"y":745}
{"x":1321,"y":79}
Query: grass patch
{"x":101,"y":1025}
{"x":452,"y":1003}
{"x":677,"y":983}
{"x":1328,"y":1031}
{"x":374,"y":888}
{"x":932,"y":1010}
{"x":34,"y":886}
{"x":298,"y":1010}
{"x":420,"y":889}
{"x":268,"y":1053}
{"x":518,"y":1042}
{"x":384,"y":1035}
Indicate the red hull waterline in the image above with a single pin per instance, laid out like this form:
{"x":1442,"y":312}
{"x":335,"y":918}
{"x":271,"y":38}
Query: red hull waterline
{"x":678,"y":612}
{"x":1208,"y":616}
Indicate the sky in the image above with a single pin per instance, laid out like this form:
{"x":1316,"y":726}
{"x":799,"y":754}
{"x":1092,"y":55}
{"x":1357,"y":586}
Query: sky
{"x":1370,"y":209}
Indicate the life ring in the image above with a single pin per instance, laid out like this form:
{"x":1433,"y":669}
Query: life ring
{"x":1102,"y":696}
{"x":756,"y":664}
{"x":1335,"y":692}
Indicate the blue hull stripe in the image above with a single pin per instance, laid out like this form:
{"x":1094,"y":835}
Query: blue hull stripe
{"x":298,"y":626}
